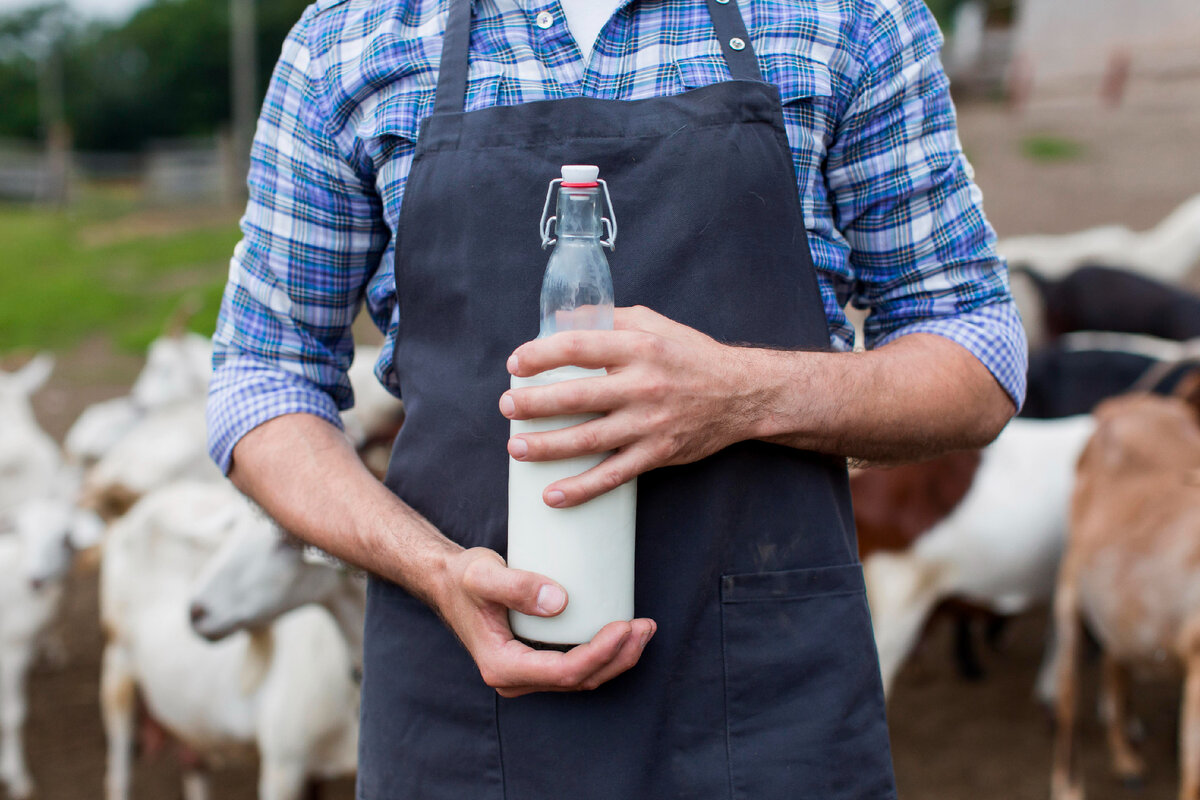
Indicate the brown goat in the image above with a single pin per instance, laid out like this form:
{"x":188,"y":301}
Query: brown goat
{"x":1132,"y":571}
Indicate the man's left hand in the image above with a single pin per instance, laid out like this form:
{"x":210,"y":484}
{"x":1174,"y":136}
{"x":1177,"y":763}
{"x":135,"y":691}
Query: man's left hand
{"x":672,"y":395}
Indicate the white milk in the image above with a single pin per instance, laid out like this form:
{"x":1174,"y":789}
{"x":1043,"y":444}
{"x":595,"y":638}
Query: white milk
{"x":588,"y":549}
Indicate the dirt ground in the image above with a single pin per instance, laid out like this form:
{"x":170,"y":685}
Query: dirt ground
{"x":952,"y":739}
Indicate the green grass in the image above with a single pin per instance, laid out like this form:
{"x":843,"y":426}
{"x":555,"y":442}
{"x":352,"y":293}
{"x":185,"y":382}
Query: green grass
{"x":1049,"y":148}
{"x":105,"y":268}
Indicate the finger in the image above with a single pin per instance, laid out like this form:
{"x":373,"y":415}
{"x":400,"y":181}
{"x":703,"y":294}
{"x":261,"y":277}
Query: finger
{"x":547,"y":670}
{"x":518,"y":665}
{"x":588,"y":349}
{"x":491,"y":581}
{"x":626,"y":656}
{"x":620,"y":467}
{"x":577,"y":396}
{"x":595,"y":436}
{"x":624,"y":660}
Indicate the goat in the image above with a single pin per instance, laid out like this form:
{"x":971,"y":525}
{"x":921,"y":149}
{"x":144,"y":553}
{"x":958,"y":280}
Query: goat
{"x":1165,"y":252}
{"x":177,"y":368}
{"x":998,"y":549}
{"x":165,"y":446}
{"x":1072,"y":375}
{"x":261,"y":573}
{"x":287,"y":689}
{"x":176,"y":371}
{"x":35,"y":553}
{"x":1103,"y":298}
{"x":29,"y":458}
{"x":1132,"y":571}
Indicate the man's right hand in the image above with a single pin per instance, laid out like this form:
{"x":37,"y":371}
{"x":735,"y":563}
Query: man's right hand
{"x":305,"y":474}
{"x":475,"y":596}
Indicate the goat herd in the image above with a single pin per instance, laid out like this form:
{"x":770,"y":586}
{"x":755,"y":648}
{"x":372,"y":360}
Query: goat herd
{"x":225,"y":635}
{"x":185,"y":559}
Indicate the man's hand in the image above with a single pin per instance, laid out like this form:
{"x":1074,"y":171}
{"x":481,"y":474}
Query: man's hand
{"x":672,"y":396}
{"x":478,"y":591}
{"x":304,"y":473}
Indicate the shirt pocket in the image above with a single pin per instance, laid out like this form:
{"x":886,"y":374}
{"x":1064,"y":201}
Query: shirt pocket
{"x":803,"y":699}
{"x":808,"y":105}
{"x":797,"y":77}
{"x":402,"y":107}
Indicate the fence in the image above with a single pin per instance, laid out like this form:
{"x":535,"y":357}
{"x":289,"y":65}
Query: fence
{"x":197,"y":171}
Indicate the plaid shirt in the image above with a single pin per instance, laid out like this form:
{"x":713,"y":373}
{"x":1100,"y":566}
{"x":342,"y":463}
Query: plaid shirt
{"x":894,"y":221}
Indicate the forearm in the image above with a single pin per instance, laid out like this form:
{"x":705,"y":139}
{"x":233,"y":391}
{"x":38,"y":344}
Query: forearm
{"x":304,"y":473}
{"x":913,"y":398}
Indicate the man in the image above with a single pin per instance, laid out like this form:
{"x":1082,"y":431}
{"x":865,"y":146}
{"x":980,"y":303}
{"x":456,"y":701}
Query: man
{"x":762,"y":176}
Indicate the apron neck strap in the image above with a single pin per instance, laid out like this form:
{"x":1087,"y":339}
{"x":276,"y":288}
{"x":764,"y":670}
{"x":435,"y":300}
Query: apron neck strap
{"x":451,"y":96}
{"x":735,"y":40}
{"x":452,"y":73}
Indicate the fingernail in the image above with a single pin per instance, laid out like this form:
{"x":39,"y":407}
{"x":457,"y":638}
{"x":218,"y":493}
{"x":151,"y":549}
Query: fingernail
{"x":551,"y":599}
{"x":507,"y":406}
{"x":512,"y":364}
{"x":518,"y":448}
{"x":555,"y":498}
{"x":646,"y":636}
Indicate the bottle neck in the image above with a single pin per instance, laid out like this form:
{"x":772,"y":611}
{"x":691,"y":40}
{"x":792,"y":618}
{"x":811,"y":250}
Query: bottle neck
{"x":578,"y":213}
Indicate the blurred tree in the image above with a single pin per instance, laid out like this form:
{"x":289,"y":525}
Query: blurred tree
{"x":32,"y":44}
{"x":163,"y":73}
{"x":18,"y":87}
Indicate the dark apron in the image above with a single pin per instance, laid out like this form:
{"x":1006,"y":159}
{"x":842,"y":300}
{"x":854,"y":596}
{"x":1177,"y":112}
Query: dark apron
{"x":762,"y":681}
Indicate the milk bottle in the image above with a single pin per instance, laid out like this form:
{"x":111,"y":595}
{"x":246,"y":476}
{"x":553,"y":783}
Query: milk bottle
{"x":588,"y":549}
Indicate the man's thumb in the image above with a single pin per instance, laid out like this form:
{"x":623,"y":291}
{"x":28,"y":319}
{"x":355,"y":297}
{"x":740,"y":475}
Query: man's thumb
{"x":517,"y":589}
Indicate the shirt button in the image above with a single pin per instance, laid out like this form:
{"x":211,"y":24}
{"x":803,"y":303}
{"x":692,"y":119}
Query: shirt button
{"x":545,"y":19}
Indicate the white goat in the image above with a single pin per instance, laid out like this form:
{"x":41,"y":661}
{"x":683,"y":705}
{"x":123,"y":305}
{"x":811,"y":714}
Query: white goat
{"x":29,"y":458}
{"x":287,"y":690}
{"x":167,"y":445}
{"x":1166,"y":252}
{"x":176,"y":370}
{"x":35,"y":553}
{"x":168,"y":442}
{"x":261,"y":573}
{"x":1000,"y":547}
{"x":98,"y":427}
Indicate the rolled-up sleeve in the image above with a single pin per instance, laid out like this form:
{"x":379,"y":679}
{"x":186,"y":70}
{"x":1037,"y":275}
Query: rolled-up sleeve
{"x":313,"y":233}
{"x":923,"y":254}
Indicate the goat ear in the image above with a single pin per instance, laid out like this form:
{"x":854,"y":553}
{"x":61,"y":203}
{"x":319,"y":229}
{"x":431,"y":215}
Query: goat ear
{"x":1188,"y":390}
{"x":31,"y":377}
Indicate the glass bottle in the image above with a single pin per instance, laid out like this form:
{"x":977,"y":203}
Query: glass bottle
{"x":588,"y":549}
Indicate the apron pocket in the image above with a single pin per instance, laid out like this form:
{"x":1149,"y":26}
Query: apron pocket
{"x":803,"y":700}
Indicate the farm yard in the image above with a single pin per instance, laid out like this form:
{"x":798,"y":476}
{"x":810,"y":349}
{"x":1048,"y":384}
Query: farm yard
{"x":96,"y":284}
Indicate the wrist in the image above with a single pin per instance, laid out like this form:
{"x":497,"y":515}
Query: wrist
{"x":440,"y":578}
{"x":418,"y":557}
{"x":774,"y":383}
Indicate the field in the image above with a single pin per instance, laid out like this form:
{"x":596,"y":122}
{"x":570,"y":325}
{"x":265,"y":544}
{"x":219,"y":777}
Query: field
{"x":95,"y":284}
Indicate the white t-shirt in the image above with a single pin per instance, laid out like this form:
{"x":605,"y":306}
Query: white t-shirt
{"x":585,"y":18}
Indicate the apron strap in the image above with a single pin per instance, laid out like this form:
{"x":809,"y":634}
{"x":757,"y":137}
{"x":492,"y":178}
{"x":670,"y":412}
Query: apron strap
{"x":451,"y":95}
{"x":730,"y":27}
{"x":452,"y":72}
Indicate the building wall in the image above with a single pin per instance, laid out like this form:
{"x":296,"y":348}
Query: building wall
{"x":1073,"y":42}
